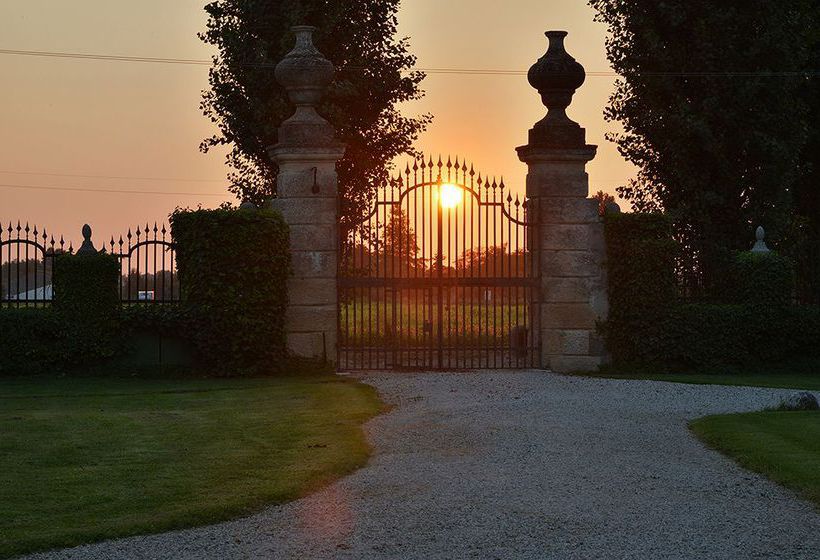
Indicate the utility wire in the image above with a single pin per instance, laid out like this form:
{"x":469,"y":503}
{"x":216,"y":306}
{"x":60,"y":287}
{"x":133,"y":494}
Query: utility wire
{"x":117,"y":177}
{"x":453,"y":71}
{"x":117,"y":191}
{"x":125,"y":191}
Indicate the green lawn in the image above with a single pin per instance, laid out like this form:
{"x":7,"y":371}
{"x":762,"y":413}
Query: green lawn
{"x":808,"y":381}
{"x":87,"y":459}
{"x":784,"y":446}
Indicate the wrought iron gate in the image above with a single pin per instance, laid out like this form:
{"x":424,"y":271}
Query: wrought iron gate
{"x":439,"y":275}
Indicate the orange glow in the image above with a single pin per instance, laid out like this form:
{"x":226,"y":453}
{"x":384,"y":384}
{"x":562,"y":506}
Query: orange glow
{"x":450,"y":196}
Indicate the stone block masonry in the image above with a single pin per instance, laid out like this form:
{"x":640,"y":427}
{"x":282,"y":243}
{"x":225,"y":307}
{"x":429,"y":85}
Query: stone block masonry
{"x":568,"y":234}
{"x":307,"y":197}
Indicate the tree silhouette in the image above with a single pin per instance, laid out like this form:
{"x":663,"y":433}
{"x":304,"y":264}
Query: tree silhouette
{"x":247,"y":104}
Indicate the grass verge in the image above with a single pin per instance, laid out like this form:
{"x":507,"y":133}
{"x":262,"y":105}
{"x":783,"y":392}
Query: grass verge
{"x":86,"y":459}
{"x":797,"y":378}
{"x":784,"y":446}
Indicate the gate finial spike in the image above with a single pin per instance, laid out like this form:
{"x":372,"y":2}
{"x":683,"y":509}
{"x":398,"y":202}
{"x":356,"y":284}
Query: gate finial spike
{"x":407,"y":169}
{"x":449,"y":162}
{"x":416,"y":165}
{"x":439,"y":164}
{"x":457,"y":166}
{"x":472,"y":170}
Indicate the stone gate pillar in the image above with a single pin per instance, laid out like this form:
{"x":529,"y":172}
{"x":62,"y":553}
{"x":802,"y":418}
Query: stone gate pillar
{"x":568,"y":233}
{"x":307,"y":197}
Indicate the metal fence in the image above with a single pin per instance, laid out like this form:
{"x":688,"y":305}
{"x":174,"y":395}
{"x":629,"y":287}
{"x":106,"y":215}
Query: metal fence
{"x":439,"y":274}
{"x":147,"y":265}
{"x":147,"y":257}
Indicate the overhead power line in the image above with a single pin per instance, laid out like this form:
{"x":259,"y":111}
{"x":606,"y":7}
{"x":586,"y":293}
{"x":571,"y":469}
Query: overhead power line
{"x":117,"y":191}
{"x":117,"y":177}
{"x":452,"y":71}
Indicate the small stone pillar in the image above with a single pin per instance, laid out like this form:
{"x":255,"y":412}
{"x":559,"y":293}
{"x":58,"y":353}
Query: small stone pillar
{"x":307,"y":197}
{"x":567,"y":231}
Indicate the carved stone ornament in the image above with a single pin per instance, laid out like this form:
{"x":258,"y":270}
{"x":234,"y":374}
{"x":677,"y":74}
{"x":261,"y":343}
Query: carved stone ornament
{"x":556,"y":76}
{"x":305,"y":74}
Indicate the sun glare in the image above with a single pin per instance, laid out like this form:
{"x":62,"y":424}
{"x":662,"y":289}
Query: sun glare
{"x":450,"y":196}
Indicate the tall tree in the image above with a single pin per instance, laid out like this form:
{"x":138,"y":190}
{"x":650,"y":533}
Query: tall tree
{"x":399,"y":243}
{"x":373,"y":76}
{"x":710,"y":102}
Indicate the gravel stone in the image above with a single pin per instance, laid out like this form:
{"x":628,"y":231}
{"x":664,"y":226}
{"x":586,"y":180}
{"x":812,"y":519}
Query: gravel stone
{"x":523,"y":464}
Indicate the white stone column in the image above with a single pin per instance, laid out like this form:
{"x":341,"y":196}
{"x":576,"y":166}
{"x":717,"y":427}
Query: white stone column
{"x":307,"y":197}
{"x":568,"y":232}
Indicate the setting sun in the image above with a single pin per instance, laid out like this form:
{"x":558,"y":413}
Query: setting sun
{"x":450,"y":196}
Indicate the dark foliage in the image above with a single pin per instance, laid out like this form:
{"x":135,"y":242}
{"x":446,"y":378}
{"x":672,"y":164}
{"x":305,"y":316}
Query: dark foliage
{"x":30,"y":342}
{"x":753,"y":323}
{"x":716,"y":104}
{"x":698,"y":337}
{"x":247,"y":104}
{"x":761,"y":279}
{"x":642,"y":289}
{"x":233,"y":267}
{"x":87,"y":303}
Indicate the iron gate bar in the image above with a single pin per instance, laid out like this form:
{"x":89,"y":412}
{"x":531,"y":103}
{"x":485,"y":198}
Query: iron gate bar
{"x":448,"y":294}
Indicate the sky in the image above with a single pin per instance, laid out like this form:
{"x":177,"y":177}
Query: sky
{"x":129,"y":126}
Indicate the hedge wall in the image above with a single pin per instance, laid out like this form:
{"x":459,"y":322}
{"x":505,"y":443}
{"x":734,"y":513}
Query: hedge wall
{"x":752,"y":324}
{"x":31,"y":341}
{"x":233,"y":267}
{"x":762,"y":279}
{"x":642,"y":289}
{"x":87,"y":304}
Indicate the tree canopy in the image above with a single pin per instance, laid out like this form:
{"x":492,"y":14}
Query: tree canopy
{"x":374,"y":75}
{"x":713,"y":101}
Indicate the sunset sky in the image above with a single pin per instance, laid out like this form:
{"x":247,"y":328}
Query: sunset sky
{"x":129,"y":126}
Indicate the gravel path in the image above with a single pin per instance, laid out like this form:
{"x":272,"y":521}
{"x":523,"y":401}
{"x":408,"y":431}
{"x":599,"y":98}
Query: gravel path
{"x":523,"y":465}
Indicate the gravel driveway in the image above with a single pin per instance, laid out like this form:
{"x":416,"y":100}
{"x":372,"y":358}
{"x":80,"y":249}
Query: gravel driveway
{"x":523,"y":465}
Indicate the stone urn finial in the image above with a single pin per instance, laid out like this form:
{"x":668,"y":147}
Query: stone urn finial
{"x":556,"y":76}
{"x":760,"y":241}
{"x":305,"y":74}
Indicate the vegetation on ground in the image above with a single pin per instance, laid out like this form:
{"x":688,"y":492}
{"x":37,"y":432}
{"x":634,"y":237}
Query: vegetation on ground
{"x":784,"y":446}
{"x":806,"y":377}
{"x":84,"y":459}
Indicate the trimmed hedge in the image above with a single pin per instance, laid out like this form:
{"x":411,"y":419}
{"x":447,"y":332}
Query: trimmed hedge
{"x":642,"y":290}
{"x":695,"y":337}
{"x":762,"y":279}
{"x":31,"y":341}
{"x":233,"y":267}
{"x":87,"y":303}
{"x":648,"y":327}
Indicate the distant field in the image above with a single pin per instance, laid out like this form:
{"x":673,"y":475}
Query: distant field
{"x":378,"y":322}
